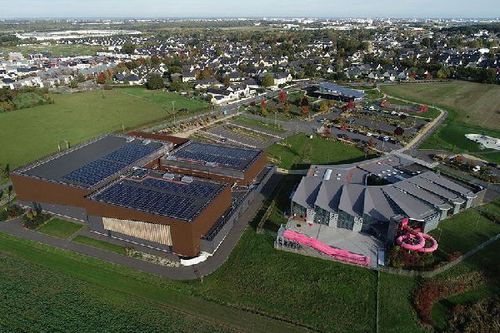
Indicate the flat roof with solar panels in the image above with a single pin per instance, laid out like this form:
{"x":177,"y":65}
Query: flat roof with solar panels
{"x":212,"y":158}
{"x":170,"y":195}
{"x":91,"y":164}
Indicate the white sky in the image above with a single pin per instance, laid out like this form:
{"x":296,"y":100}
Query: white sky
{"x":249,"y":8}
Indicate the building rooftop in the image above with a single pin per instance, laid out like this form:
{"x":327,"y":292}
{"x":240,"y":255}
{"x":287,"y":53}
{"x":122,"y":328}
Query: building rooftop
{"x":344,"y":188}
{"x":174,"y":196}
{"x":87,"y":165}
{"x":214,"y":156}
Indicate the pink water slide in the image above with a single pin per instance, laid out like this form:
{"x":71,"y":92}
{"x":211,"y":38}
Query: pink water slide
{"x":337,"y":254}
{"x":415,"y":240}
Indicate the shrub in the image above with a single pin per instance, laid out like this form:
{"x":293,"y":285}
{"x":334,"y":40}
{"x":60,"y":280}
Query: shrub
{"x":434,"y":290}
{"x":34,"y":217}
{"x":10,"y":212}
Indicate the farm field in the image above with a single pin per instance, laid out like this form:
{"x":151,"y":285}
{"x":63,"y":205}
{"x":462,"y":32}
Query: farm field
{"x":79,"y":117}
{"x":473,"y":103}
{"x":289,"y":287}
{"x":299,"y":151}
{"x":472,"y":108}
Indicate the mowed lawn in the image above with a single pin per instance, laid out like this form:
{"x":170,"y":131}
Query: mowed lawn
{"x":29,"y":134}
{"x":472,"y":108}
{"x":59,"y":228}
{"x":299,"y":151}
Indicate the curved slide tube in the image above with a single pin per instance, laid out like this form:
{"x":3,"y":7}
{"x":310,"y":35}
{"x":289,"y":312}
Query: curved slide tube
{"x":416,"y":241}
{"x":337,"y":254}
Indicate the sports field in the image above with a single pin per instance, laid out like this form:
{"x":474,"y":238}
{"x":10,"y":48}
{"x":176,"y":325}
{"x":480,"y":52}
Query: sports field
{"x":472,"y":108}
{"x":28,"y":134}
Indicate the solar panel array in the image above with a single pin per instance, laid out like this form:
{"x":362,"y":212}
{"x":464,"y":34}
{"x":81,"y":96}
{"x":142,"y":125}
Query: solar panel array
{"x":94,"y":172}
{"x":161,"y":197}
{"x":227,"y":156}
{"x":132,"y":152}
{"x":195,"y":189}
{"x":100,"y":169}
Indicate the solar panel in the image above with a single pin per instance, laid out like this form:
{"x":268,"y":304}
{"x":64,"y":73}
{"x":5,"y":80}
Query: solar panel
{"x":94,"y":172}
{"x":132,"y":152}
{"x":98,"y":170}
{"x":162,"y":197}
{"x":227,"y":156}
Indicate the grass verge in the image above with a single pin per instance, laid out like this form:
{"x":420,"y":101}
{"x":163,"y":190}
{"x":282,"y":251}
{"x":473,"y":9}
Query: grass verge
{"x":59,"y":228}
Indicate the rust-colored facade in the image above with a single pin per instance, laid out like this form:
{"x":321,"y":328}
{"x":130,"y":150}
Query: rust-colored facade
{"x":185,"y":235}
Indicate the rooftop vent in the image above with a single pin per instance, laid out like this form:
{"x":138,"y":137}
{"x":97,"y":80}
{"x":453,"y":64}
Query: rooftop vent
{"x":187,"y":179}
{"x":328,"y":174}
{"x":169,"y":176}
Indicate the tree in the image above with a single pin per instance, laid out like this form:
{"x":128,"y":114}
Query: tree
{"x":155,"y":82}
{"x":128,"y":48}
{"x":263,"y":107}
{"x":155,"y":61}
{"x":268,"y":80}
{"x":324,"y":107}
{"x":399,"y":131}
{"x":283,"y":98}
{"x":6,"y":171}
{"x":9,"y":194}
{"x":101,"y":78}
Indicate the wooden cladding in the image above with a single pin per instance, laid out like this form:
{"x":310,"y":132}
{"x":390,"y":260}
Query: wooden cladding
{"x":157,"y":233}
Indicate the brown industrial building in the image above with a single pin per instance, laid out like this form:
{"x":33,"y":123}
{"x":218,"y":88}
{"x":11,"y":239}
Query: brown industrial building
{"x":141,"y":188}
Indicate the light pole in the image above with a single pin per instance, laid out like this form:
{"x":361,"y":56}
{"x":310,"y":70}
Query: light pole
{"x":173,"y":110}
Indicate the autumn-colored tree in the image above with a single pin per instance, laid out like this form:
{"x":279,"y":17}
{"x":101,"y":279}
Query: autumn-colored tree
{"x":263,"y":107}
{"x":324,"y":107}
{"x":283,"y":97}
{"x":305,"y":110}
{"x":399,"y":131}
{"x":101,"y":78}
{"x":350,"y":105}
{"x":304,"y":104}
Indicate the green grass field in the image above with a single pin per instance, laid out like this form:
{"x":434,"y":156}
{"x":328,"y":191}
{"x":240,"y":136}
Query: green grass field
{"x":29,"y":134}
{"x":99,"y":244}
{"x":266,"y":125}
{"x":472,"y":108}
{"x":59,"y":228}
{"x":324,"y":295}
{"x":475,"y":104}
{"x":298,"y":152}
{"x":58,"y":50}
{"x":464,"y":231}
{"x":396,"y":309}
